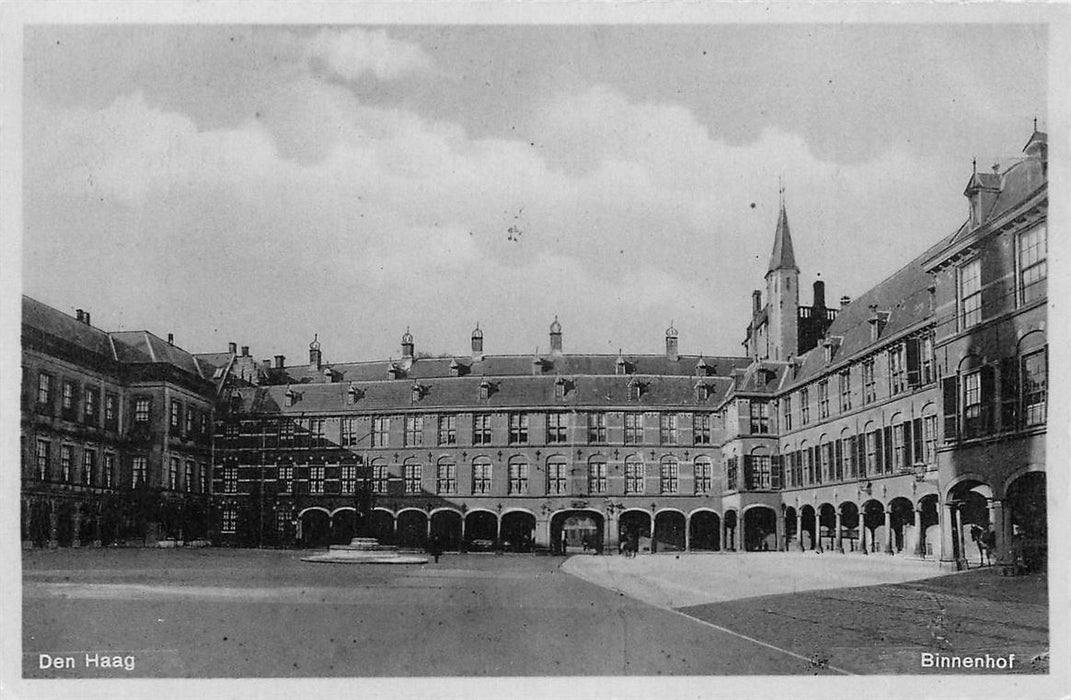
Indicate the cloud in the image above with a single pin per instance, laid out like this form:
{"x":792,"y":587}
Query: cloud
{"x":354,"y":53}
{"x":629,"y":214}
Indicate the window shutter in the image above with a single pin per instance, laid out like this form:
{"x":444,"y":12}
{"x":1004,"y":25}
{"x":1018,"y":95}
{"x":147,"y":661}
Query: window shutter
{"x":907,"y":446}
{"x":888,"y":454}
{"x":816,"y":466}
{"x":880,"y":448}
{"x":775,"y":472}
{"x":749,"y":480}
{"x":860,"y":452}
{"x":950,"y":389}
{"x":988,"y":386}
{"x":912,"y":360}
{"x":917,"y":455}
{"x":839,"y":458}
{"x":1009,"y":393}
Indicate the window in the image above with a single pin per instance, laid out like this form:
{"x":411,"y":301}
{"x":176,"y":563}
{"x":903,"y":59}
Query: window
{"x":348,"y":480}
{"x":139,"y":467}
{"x":349,"y":432}
{"x":970,"y":293}
{"x":380,"y":431}
{"x":702,"y":475}
{"x":633,"y":428}
{"x":825,"y":469}
{"x":230,"y":479}
{"x":1035,"y":387}
{"x":414,"y":431}
{"x":142,"y":406}
{"x":109,"y":470}
{"x":823,"y":399}
{"x":900,"y":450}
{"x":89,"y":410}
{"x":897,"y":376}
{"x":286,"y":431}
{"x":187,"y":477}
{"x":926,"y":359}
{"x":758,"y":476}
{"x":929,"y":440}
{"x":380,"y":478}
{"x":701,"y":429}
{"x":972,"y":404}
{"x":89,"y":467}
{"x":596,"y":427}
{"x":786,"y":413}
{"x":172,"y":474}
{"x":732,"y":472}
{"x":42,"y":457}
{"x":668,"y":474}
{"x":66,"y":462}
{"x":633,"y":475}
{"x":67,"y":399}
{"x":481,"y":476}
{"x":557,"y":428}
{"x":189,"y":420}
{"x":871,"y":466}
{"x":1033,"y":266}
{"x":667,"y":428}
{"x":481,"y":429}
{"x":518,"y":478}
{"x":447,"y":430}
{"x":518,"y":428}
{"x":845,"y":381}
{"x":413,"y":474}
{"x":805,"y":406}
{"x":557,"y":476}
{"x":286,"y":478}
{"x":44,"y":388}
{"x":446,"y":478}
{"x":317,"y":429}
{"x":176,"y":415}
{"x":204,"y":423}
{"x":230,"y":520}
{"x":870,"y":393}
{"x":597,"y":475}
{"x":760,"y":418}
{"x":111,"y":410}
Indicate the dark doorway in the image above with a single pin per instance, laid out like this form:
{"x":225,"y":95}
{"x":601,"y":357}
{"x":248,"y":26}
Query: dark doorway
{"x":518,"y":531}
{"x":760,"y":529}
{"x":704,"y":531}
{"x":315,"y":528}
{"x":669,"y":531}
{"x":574,"y":532}
{"x":446,"y":527}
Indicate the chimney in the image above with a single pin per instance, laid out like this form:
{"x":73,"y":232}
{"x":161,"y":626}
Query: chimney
{"x":671,"y":343}
{"x":555,"y":337}
{"x":756,"y":302}
{"x":80,"y":315}
{"x":266,"y":364}
{"x":86,"y":319}
{"x":314,"y":353}
{"x":845,"y":300}
{"x":232,"y":348}
{"x":877,"y":322}
{"x":819,"y":294}
{"x":407,"y":348}
{"x":245,"y":351}
{"x":170,"y":338}
{"x":477,"y":344}
{"x":280,"y":361}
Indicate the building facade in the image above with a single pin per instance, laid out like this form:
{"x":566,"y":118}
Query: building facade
{"x":908,"y":421}
{"x":116,"y":434}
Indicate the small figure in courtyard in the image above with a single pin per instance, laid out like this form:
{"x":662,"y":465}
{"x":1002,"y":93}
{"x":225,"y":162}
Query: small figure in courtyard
{"x":976,"y":534}
{"x":435,"y":547}
{"x":989,"y":541}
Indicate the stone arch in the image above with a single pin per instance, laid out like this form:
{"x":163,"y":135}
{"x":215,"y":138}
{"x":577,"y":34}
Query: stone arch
{"x":871,"y":527}
{"x":577,"y":531}
{"x":412,"y":528}
{"x":343,"y":525}
{"x":704,"y":530}
{"x":481,"y":529}
{"x":446,"y":525}
{"x":760,"y":528}
{"x":670,"y":525}
{"x":929,"y":526}
{"x":380,"y":524}
{"x":315,"y":526}
{"x":791,"y":536}
{"x":730,"y":523}
{"x":827,"y":520}
{"x":1026,"y":510}
{"x":808,"y":539}
{"x":634,"y":528}
{"x":903,"y":525}
{"x":518,"y":530}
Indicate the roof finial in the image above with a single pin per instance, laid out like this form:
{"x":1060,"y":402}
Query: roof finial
{"x":974,"y":165}
{"x":781,"y":191}
{"x":1035,"y":124}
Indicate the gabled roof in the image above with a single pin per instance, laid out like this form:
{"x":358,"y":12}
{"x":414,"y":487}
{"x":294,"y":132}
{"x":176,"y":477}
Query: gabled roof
{"x":1017,"y":183}
{"x":46,"y":319}
{"x":137,"y":347}
{"x":464,"y":393}
{"x":783,"y":257}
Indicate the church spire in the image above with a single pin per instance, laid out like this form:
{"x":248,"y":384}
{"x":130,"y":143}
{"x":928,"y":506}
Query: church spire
{"x":782,"y":257}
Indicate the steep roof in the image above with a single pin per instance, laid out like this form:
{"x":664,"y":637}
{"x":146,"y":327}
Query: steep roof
{"x":782,"y":257}
{"x":1016,"y":184}
{"x":44,"y":318}
{"x":464,"y":393}
{"x":137,"y":347}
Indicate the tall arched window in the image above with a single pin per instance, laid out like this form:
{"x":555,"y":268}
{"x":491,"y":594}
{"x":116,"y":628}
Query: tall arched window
{"x":481,"y":475}
{"x":634,"y":474}
{"x":668,"y":475}
{"x":702,"y":474}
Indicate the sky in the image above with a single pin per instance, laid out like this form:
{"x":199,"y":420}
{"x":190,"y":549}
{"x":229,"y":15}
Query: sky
{"x":262,"y":184}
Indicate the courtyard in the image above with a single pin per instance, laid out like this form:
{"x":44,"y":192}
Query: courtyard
{"x":231,"y":613}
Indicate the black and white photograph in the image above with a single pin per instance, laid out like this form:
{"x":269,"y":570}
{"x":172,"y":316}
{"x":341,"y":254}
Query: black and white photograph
{"x":553,"y":350}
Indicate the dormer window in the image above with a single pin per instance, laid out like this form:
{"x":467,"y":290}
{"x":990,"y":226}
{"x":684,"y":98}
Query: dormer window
{"x":485,"y":389}
{"x":289,"y":397}
{"x":329,"y":375}
{"x":236,"y":401}
{"x":455,"y":368}
{"x":393,"y":371}
{"x":702,"y":369}
{"x":416,"y":393}
{"x":702,"y":392}
{"x":635,"y":390}
{"x":559,"y":388}
{"x":353,"y":395}
{"x":620,"y":366}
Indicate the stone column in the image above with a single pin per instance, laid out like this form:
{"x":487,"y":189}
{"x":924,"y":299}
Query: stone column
{"x":838,"y":542}
{"x":817,"y":532}
{"x":687,"y":534}
{"x":781,"y":530}
{"x":498,"y":528}
{"x":920,"y":533}
{"x":610,"y":535}
{"x":428,"y":535}
{"x":863,"y":532}
{"x":542,"y":532}
{"x":799,"y":529}
{"x":888,"y":531}
{"x":1000,"y":529}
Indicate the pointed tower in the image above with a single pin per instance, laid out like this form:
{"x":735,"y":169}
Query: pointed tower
{"x":782,"y":293}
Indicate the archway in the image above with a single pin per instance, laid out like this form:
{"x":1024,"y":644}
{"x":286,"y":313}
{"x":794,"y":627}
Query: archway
{"x":380,"y":524}
{"x":634,"y":528}
{"x":902,"y":522}
{"x":704,"y":531}
{"x":929,"y":527}
{"x":446,"y":526}
{"x":790,"y":529}
{"x":851,"y":528}
{"x":807,"y":534}
{"x":412,"y":529}
{"x":872,"y":526}
{"x":575,"y":531}
{"x":1026,"y":506}
{"x":315,"y":527}
{"x":669,"y":531}
{"x":729,"y":524}
{"x":760,"y":529}
{"x":481,"y":530}
{"x":827,"y":522}
{"x":343,"y":526}
{"x":518,"y":531}
{"x":970,"y":501}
